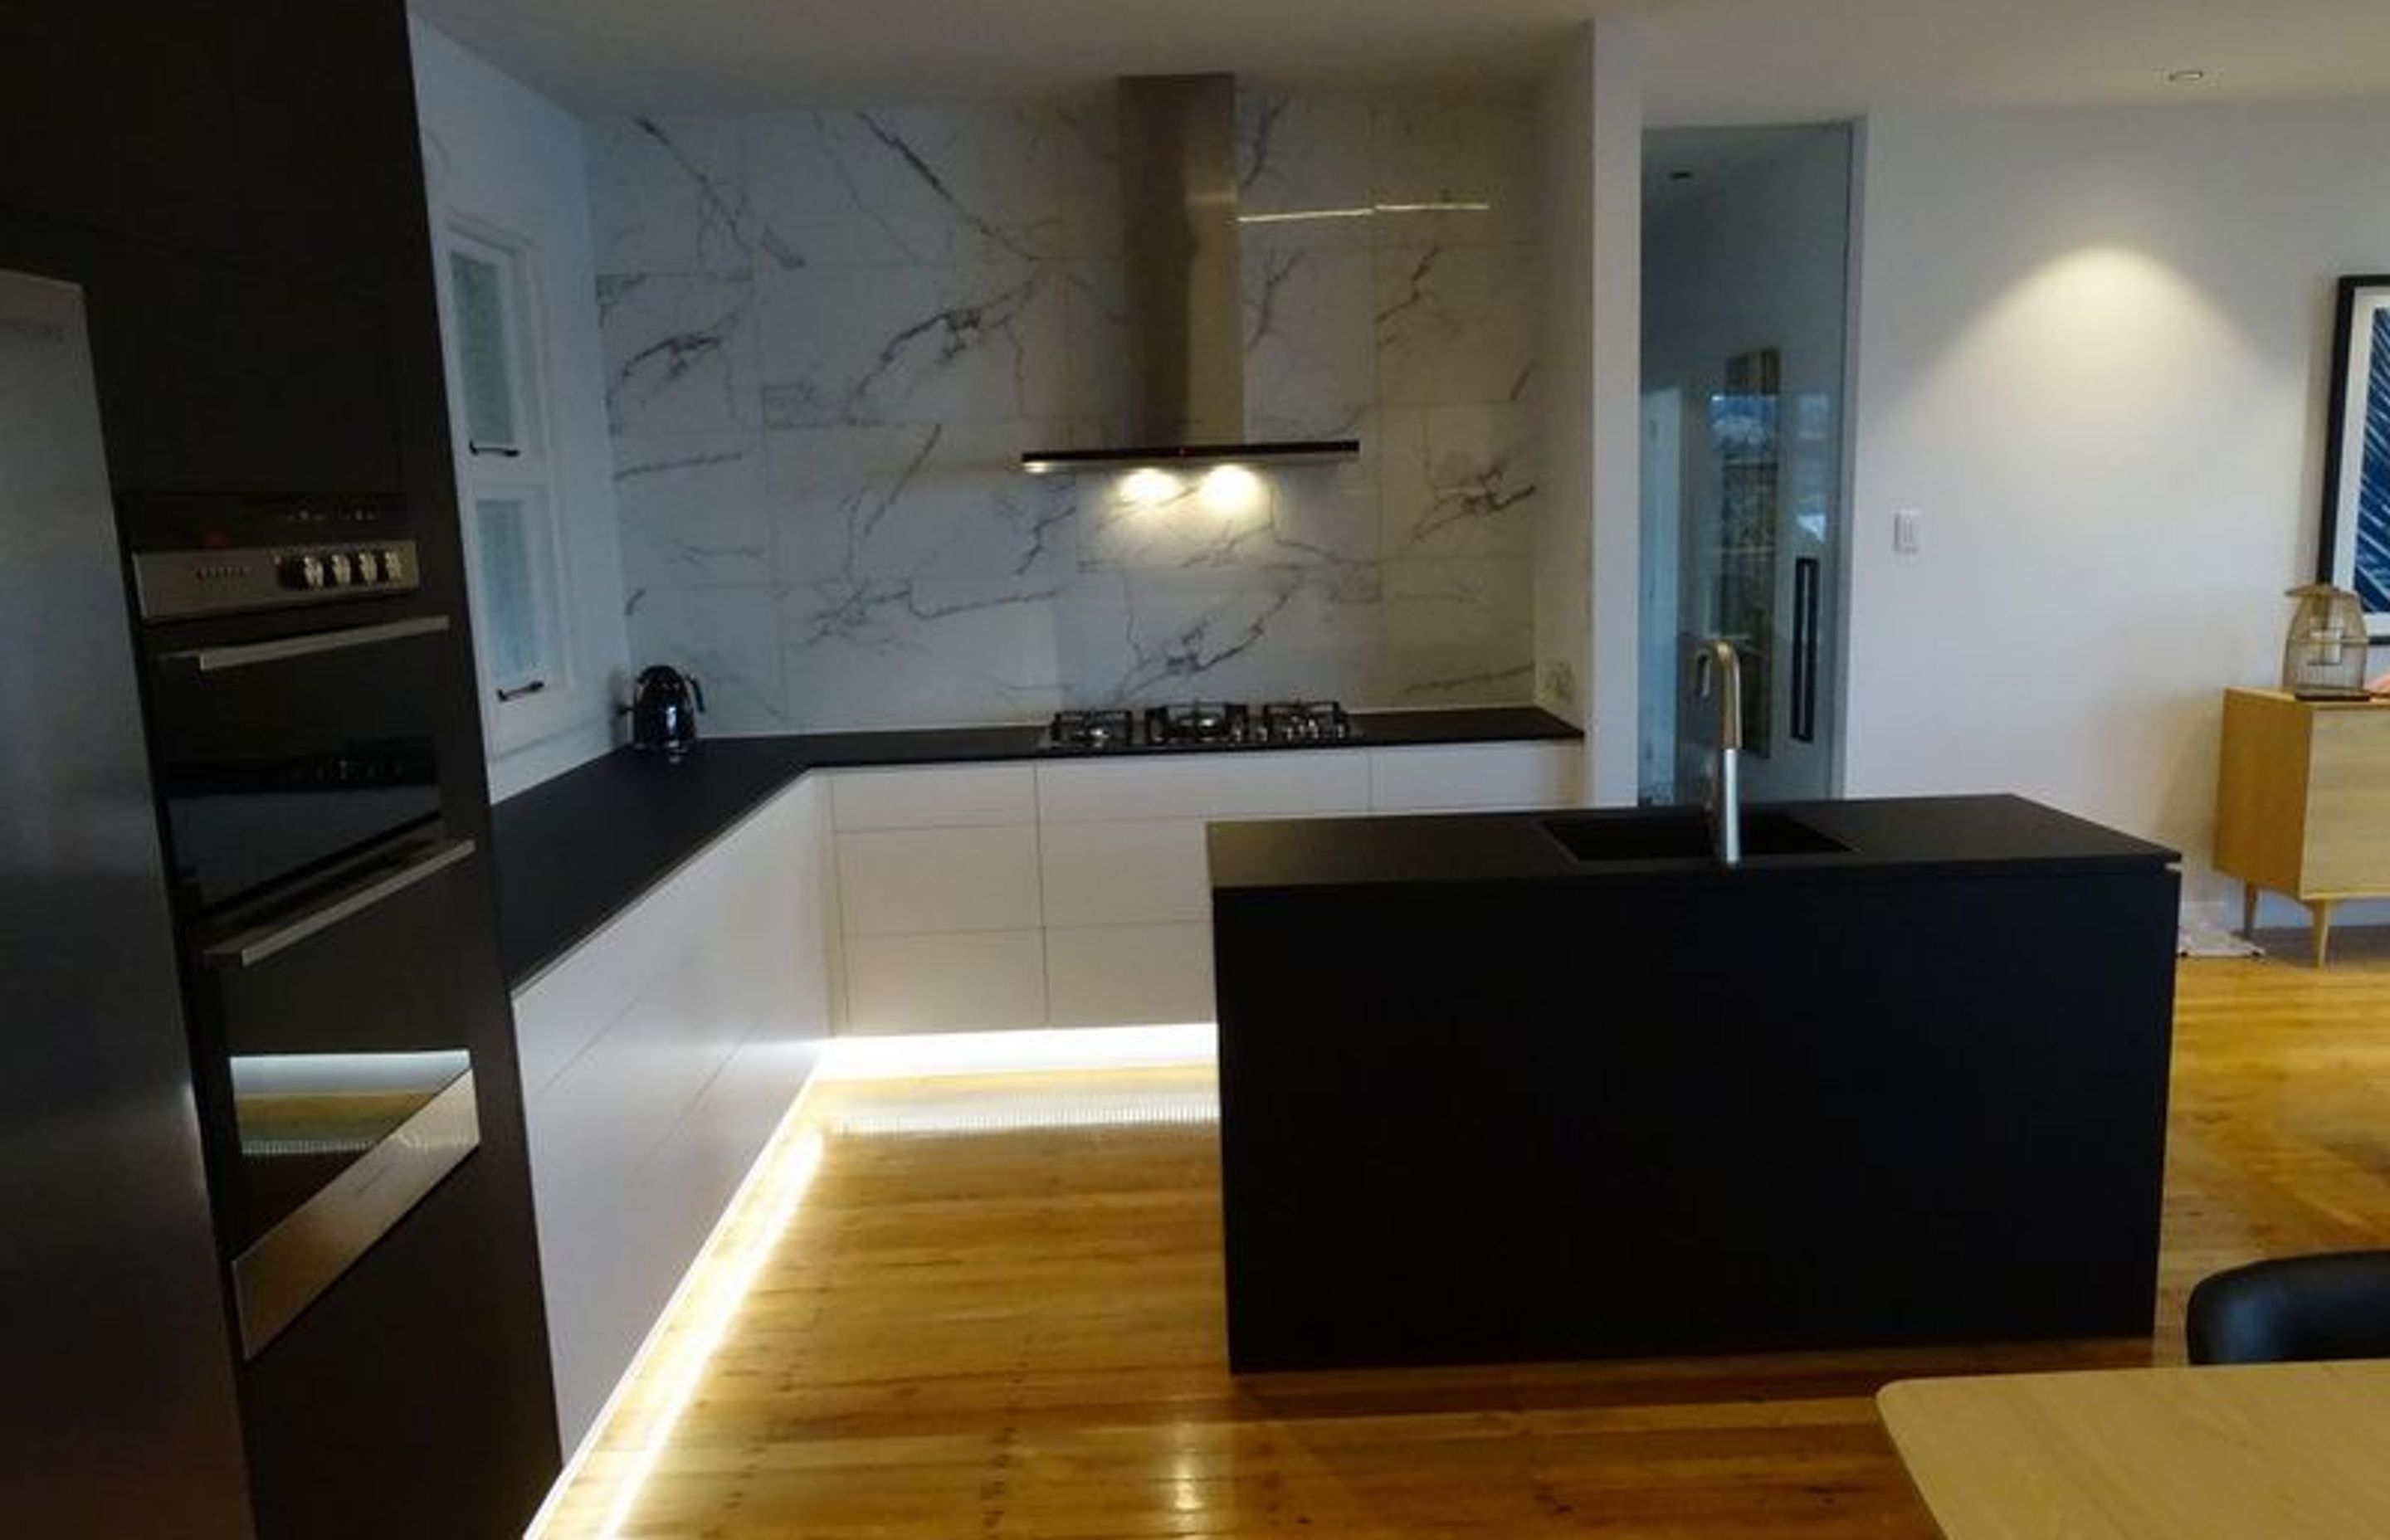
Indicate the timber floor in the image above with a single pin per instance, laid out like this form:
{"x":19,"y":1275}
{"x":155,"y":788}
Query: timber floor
{"x":991,"y":1308}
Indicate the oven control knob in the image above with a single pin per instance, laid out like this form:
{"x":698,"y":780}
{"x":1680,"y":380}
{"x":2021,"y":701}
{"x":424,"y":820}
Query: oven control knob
{"x":369,"y":566}
{"x":393,"y":565}
{"x":303,"y":571}
{"x":337,"y":571}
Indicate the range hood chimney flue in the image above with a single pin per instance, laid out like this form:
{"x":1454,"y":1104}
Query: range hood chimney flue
{"x":1186,"y":303}
{"x":1179,"y":198}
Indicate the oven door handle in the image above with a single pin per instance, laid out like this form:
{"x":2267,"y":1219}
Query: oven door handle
{"x":251,"y":947}
{"x":215,"y":660}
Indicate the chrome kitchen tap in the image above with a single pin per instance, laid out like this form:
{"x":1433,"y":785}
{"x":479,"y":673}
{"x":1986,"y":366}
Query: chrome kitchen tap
{"x":1717,"y":672}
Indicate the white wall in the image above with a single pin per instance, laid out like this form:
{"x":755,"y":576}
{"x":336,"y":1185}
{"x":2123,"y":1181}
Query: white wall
{"x":2091,"y":352}
{"x":1587,"y":532}
{"x":497,"y":152}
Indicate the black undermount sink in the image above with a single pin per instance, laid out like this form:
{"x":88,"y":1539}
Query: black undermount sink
{"x":1675,"y":833}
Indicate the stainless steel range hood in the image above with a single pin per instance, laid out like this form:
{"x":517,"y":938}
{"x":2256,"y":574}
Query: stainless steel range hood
{"x":1186,"y":307}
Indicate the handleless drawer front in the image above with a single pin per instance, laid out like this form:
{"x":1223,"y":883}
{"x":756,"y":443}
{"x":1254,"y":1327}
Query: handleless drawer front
{"x":1145,"y":873}
{"x":1128,"y":975}
{"x":979,"y":981}
{"x":940,"y":797}
{"x":1474,"y":776}
{"x":914,"y":881}
{"x":1226,"y":785}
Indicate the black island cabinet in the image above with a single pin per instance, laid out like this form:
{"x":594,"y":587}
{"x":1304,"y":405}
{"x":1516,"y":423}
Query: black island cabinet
{"x":1487,"y":1098}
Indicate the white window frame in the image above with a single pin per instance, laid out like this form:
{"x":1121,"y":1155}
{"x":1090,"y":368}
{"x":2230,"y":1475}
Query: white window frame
{"x":514,"y":718}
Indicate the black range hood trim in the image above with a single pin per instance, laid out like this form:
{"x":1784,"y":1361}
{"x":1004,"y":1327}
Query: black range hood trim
{"x":1063,"y":462}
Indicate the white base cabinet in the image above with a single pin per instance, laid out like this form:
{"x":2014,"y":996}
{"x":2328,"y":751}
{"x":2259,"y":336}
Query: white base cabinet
{"x":657,"y":1057}
{"x":659,"y":1054}
{"x":1074,"y":893}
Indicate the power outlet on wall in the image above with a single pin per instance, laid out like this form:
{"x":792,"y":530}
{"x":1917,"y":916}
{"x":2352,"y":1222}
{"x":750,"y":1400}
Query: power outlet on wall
{"x":1907,"y":534}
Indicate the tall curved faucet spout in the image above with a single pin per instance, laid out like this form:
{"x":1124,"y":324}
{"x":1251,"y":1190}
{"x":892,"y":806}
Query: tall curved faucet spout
{"x":1717,"y":675}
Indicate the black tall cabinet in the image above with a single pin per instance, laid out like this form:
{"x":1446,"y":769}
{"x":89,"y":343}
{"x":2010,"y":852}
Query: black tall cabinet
{"x":236,"y":189}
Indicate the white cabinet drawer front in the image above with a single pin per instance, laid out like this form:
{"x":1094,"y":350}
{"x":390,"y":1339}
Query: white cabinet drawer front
{"x":1129,"y":975}
{"x":1477,"y":775}
{"x":1226,"y":785}
{"x":986,"y":980}
{"x":1125,"y":873}
{"x":940,"y":796}
{"x":896,"y":882}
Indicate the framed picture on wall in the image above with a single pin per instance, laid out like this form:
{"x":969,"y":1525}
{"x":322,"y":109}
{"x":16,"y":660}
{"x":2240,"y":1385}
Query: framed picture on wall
{"x":2357,"y":451}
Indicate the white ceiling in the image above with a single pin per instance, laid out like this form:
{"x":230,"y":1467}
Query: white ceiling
{"x":1707,"y":61}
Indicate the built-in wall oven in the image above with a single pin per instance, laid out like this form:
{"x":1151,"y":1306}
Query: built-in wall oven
{"x":317,"y":876}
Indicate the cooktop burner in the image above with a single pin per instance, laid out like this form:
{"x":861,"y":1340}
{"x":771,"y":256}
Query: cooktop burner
{"x":1103,"y":729}
{"x":1306,"y":722}
{"x":1199,"y":723}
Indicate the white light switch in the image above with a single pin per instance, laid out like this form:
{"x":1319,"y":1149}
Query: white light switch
{"x":1905,"y":535}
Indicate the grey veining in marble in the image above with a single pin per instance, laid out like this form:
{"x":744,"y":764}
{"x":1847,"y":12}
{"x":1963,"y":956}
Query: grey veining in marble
{"x":668,"y":195}
{"x":830,"y":336}
{"x":679,"y":351}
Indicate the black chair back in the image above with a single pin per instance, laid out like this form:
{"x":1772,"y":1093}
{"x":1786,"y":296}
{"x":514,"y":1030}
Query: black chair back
{"x":2333,"y":1304}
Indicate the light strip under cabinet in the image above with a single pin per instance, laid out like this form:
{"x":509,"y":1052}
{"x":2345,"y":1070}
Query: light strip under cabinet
{"x":1063,"y":462}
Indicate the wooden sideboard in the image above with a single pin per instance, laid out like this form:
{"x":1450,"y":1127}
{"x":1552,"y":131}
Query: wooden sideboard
{"x":2302,"y":801}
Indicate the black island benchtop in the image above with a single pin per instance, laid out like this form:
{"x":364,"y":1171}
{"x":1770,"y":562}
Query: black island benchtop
{"x":574,"y":851}
{"x":1481,"y":1099}
{"x":1916,"y":836}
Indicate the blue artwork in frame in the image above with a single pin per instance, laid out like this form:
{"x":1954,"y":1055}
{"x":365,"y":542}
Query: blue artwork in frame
{"x":2357,"y":451}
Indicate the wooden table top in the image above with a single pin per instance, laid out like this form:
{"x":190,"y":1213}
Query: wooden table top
{"x":2282,"y":1451}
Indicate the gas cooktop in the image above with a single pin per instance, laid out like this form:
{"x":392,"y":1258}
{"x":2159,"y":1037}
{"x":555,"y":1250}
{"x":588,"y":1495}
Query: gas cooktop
{"x":1199,"y":723}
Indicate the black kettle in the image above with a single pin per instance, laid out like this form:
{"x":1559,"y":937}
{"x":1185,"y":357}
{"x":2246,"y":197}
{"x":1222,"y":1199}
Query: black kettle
{"x":664,"y":704}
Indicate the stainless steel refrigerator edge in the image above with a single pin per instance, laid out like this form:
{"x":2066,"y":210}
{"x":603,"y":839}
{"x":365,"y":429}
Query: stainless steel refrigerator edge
{"x":121,"y":1411}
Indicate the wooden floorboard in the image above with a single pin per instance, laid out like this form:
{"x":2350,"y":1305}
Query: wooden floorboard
{"x":995,"y":1312}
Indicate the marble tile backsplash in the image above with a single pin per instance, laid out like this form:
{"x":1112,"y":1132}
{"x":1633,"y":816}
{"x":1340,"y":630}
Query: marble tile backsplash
{"x":829,"y":336}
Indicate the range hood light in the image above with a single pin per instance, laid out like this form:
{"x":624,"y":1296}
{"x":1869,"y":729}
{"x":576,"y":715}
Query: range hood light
{"x":1259,"y":456}
{"x":1230,"y":489}
{"x":1147,"y":487}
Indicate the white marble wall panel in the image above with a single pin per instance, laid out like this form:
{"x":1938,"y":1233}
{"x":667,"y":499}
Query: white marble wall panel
{"x":831,"y":334}
{"x":668,"y":195}
{"x":980,"y":343}
{"x":1457,"y":480}
{"x":1459,"y":631}
{"x":1455,"y":323}
{"x":1303,"y":171}
{"x":1311,"y":360}
{"x":915,"y":186}
{"x":680,"y":352}
{"x":694,"y":510}
{"x":1234,"y":632}
{"x":920,"y":652}
{"x":727,"y":636}
{"x":1455,"y":151}
{"x":918,"y":500}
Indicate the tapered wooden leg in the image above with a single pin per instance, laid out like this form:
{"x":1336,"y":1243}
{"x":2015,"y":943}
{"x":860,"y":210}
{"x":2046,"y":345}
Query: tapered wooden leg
{"x":2320,"y":909}
{"x":2248,"y":909}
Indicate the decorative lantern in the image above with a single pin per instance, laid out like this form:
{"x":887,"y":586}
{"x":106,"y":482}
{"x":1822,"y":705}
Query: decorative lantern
{"x":2323,"y":658}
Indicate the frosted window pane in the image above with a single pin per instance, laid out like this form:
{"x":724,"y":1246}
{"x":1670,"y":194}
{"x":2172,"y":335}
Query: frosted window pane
{"x":510,"y":611}
{"x":478,"y":289}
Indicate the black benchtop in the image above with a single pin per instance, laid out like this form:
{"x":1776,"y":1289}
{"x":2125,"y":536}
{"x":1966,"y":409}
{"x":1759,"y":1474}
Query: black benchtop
{"x":574,"y":851}
{"x":1891,"y":836}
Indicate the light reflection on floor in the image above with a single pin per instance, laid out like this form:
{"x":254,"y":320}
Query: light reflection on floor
{"x":1105,"y":1079}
